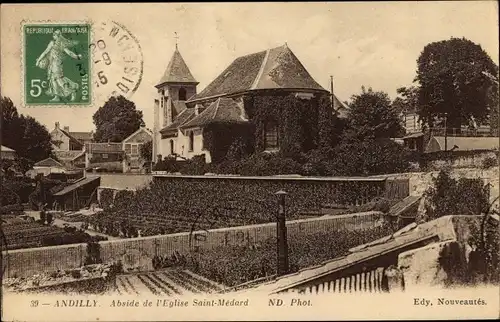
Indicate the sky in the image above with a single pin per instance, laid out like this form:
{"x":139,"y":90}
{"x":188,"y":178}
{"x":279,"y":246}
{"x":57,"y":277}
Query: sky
{"x":371,"y":44}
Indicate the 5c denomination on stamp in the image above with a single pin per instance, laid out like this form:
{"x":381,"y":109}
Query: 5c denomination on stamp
{"x":56,"y":64}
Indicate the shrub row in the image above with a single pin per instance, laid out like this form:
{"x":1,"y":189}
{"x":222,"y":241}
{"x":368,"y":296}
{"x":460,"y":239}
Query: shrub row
{"x":232,"y":266}
{"x":75,"y":237}
{"x":16,"y":209}
{"x":347,"y":159}
{"x":36,"y":234}
{"x":180,"y":204}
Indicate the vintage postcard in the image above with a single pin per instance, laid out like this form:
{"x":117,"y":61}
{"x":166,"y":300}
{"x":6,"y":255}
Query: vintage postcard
{"x":250,"y":161}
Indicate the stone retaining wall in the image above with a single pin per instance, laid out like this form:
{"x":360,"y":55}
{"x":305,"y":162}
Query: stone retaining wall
{"x":136,"y":253}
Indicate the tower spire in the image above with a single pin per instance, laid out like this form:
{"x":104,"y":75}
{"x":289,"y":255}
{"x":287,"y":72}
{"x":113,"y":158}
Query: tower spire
{"x":177,"y":70}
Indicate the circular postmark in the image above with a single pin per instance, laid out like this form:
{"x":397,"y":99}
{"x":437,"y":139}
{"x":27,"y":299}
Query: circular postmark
{"x":117,"y":60}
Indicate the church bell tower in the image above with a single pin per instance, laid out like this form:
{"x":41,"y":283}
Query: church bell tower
{"x":175,"y":87}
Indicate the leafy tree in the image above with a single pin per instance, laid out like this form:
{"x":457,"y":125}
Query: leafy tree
{"x":493,"y":101}
{"x":327,"y":124}
{"x":11,"y":124}
{"x":407,"y":101}
{"x":371,"y":116}
{"x":451,"y":79}
{"x":146,"y":151}
{"x":36,"y":140}
{"x":368,"y":157}
{"x":116,"y":120}
{"x":449,"y":196}
{"x":24,"y":134}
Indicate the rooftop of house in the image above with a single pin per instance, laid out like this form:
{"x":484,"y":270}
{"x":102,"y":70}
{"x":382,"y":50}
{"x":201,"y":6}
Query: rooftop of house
{"x":82,"y":136}
{"x":49,"y":162}
{"x":75,"y":137}
{"x":68,"y":155}
{"x":77,"y":184}
{"x":456,"y":143}
{"x":275,"y":68}
{"x":111,"y":147}
{"x":6,"y":149}
{"x":341,"y":108}
{"x":141,"y":129}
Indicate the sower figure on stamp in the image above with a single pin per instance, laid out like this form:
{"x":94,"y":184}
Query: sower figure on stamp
{"x":52,"y":59}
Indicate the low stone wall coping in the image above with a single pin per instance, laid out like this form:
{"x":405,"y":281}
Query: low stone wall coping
{"x":158,"y":174}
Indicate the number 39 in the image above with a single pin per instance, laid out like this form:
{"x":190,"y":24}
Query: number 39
{"x":36,"y":87}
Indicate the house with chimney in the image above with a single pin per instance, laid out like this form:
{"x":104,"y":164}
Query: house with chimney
{"x":263,"y":102}
{"x":69,"y":146}
{"x":64,"y":140}
{"x":122,"y":156}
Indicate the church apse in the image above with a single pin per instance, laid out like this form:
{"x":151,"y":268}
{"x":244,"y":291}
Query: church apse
{"x":246,"y":109}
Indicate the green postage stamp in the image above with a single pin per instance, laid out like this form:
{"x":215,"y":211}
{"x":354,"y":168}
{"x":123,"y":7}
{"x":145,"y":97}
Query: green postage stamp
{"x":57,"y":64}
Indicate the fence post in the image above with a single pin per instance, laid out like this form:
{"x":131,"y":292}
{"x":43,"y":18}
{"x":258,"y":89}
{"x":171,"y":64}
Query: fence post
{"x":281,"y":235}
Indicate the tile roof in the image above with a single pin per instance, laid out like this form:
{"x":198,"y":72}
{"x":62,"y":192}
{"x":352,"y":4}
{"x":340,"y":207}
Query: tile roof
{"x":178,"y":106}
{"x":49,"y":162}
{"x":71,"y":137}
{"x":111,"y":147}
{"x":223,"y":110}
{"x":413,"y":135}
{"x":402,"y":206}
{"x":77,"y":185}
{"x":68,"y":155}
{"x":82,"y":136}
{"x":340,"y":107}
{"x":139,"y":130}
{"x":177,"y":71}
{"x":436,"y":143}
{"x":185,"y":116}
{"x":270,"y":69}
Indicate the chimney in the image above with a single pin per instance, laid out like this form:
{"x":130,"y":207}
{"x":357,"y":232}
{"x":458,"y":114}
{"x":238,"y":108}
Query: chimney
{"x":57,"y":125}
{"x":197,"y":108}
{"x":66,"y":128}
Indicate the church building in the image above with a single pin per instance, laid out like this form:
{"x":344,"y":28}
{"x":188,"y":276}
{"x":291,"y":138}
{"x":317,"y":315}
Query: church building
{"x":262,"y":102}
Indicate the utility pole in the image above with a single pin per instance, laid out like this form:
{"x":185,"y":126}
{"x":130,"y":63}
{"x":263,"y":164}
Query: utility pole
{"x":281,"y":235}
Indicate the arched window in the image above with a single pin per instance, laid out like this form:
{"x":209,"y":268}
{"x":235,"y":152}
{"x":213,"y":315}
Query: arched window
{"x":191,"y":141}
{"x":271,"y":137}
{"x":172,"y":150}
{"x":182,"y":94}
